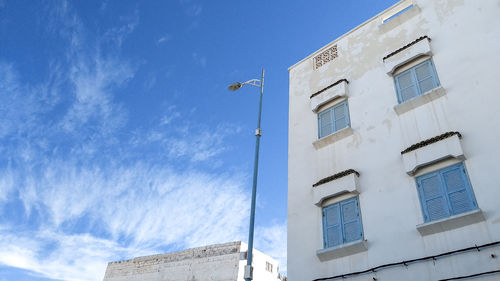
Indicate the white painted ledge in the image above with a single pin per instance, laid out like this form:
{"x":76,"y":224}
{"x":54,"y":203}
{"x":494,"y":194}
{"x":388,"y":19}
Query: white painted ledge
{"x":338,"y":135}
{"x":446,"y":148}
{"x":399,"y":20}
{"x":345,"y":184}
{"x":420,"y":100}
{"x":414,"y":51}
{"x":450,"y":223}
{"x":335,"y":92}
{"x":342,"y":250}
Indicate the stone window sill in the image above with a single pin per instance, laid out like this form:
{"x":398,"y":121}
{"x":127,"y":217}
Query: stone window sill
{"x":420,"y":100}
{"x":450,"y":223}
{"x":342,"y":250}
{"x":338,"y":135}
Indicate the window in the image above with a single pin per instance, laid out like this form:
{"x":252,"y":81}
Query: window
{"x":333,"y":119}
{"x":342,"y":223}
{"x":269,"y":266}
{"x":445,"y":193}
{"x":243,"y":255}
{"x":416,"y":81}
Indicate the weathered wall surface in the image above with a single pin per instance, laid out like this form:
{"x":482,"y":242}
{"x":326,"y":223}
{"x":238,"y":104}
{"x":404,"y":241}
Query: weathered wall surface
{"x":218,"y":262}
{"x":221,"y":262}
{"x":259,"y":266}
{"x":465,"y":42}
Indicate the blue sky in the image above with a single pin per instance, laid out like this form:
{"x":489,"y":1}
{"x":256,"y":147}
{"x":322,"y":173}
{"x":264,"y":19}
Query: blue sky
{"x":118,"y":137}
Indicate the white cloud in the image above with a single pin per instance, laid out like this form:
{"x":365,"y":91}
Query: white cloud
{"x":194,"y":10}
{"x":150,"y":82}
{"x":200,"y":145}
{"x":170,"y":115}
{"x":272,"y":240}
{"x":74,"y":257}
{"x":152,"y":207}
{"x":93,"y":104}
{"x":180,"y":138}
{"x":199,"y":59}
{"x":119,"y":34}
{"x":191,"y":8}
{"x":95,"y":199}
{"x":164,"y":38}
{"x":6,"y":184}
{"x":104,"y":6}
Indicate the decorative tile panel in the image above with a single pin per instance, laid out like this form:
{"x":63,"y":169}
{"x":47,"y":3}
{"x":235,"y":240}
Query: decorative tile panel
{"x":325,"y":57}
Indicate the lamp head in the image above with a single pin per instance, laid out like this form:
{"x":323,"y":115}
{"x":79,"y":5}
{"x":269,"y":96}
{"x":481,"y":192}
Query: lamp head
{"x":235,"y":86}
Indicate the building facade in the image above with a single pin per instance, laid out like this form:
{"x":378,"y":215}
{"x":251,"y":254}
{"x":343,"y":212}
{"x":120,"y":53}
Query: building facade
{"x":221,"y":262}
{"x":393,"y":148}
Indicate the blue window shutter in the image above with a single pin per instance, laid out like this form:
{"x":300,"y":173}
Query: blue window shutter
{"x":458,"y":190}
{"x":351,"y":220}
{"x":425,"y":77}
{"x":398,"y":94}
{"x":333,"y":119}
{"x":332,"y":229}
{"x":416,"y":81}
{"x":436,"y":78}
{"x":346,"y":112}
{"x":406,"y":85}
{"x":433,"y":201}
{"x":340,"y":116}
{"x":325,"y":123}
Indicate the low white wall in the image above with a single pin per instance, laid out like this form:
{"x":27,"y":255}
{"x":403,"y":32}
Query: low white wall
{"x":221,"y":262}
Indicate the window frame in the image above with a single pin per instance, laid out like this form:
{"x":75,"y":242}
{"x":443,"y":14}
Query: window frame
{"x":342,"y":223}
{"x":269,"y":267}
{"x":331,"y":109}
{"x":445,"y":193}
{"x":414,"y":79}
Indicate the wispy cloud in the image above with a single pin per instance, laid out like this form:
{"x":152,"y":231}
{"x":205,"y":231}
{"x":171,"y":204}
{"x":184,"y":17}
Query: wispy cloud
{"x":272,"y":240}
{"x":164,"y":38}
{"x":92,"y":192}
{"x":199,"y":59}
{"x":93,"y":106}
{"x":170,"y":115}
{"x":6,"y":184}
{"x":71,"y":257}
{"x":190,"y":142}
{"x":191,"y":8}
{"x":104,"y":6}
{"x":120,"y":211}
{"x":118,"y":34}
{"x":150,"y":82}
{"x":194,"y":10}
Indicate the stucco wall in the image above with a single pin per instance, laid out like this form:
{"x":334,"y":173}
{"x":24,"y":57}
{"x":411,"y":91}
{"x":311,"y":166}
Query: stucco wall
{"x":465,"y":41}
{"x":221,"y":262}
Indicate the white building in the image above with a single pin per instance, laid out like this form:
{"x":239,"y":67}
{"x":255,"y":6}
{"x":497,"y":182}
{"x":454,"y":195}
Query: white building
{"x":394,"y":147}
{"x":221,"y":262}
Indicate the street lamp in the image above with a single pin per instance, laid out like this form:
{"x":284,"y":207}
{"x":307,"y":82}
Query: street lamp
{"x":233,"y":87}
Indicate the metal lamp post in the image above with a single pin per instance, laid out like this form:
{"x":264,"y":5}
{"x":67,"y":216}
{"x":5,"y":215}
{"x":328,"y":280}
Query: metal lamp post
{"x":233,"y":87}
